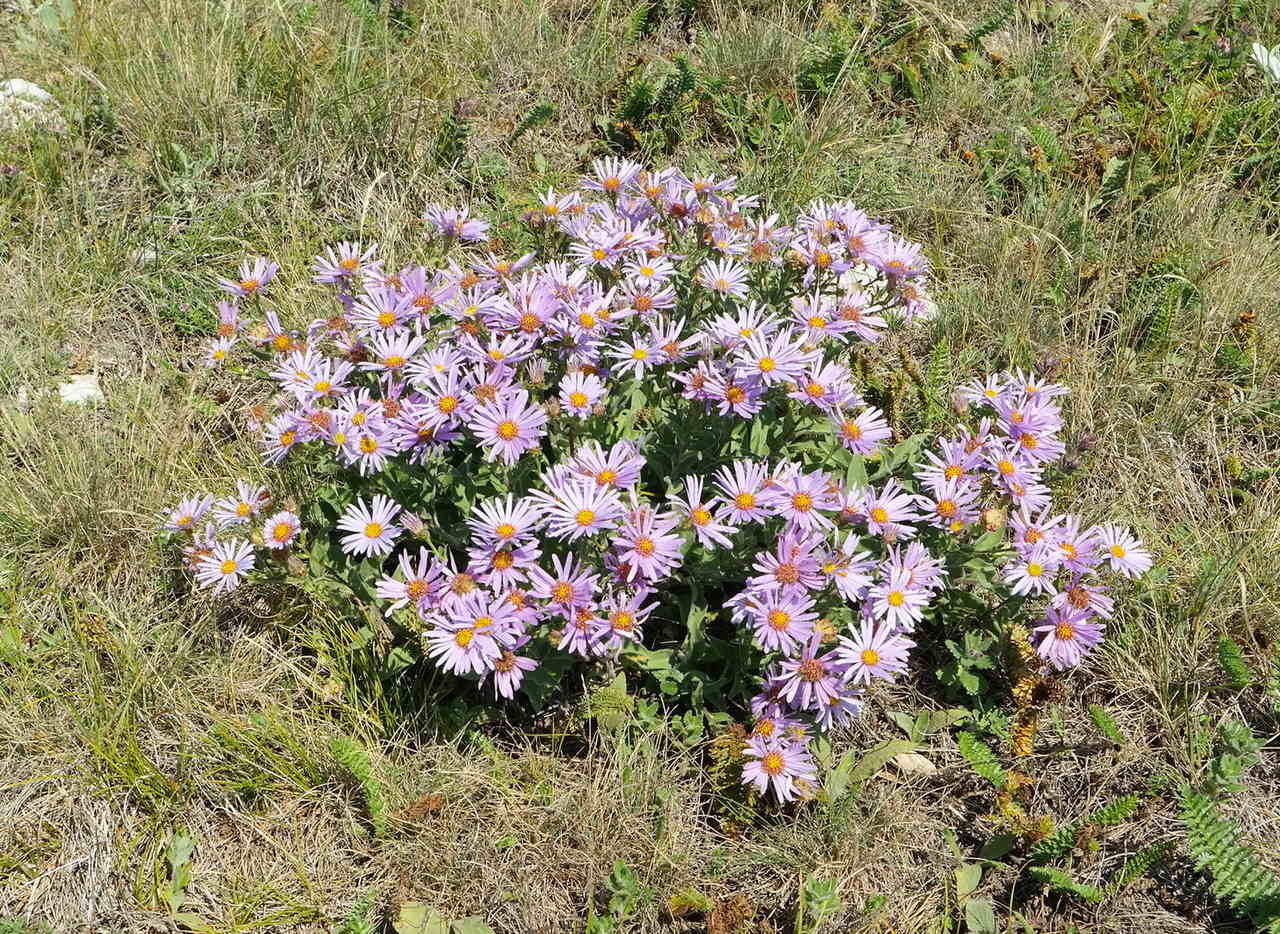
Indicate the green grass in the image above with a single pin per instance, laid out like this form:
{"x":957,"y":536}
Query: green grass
{"x":1098,"y":185}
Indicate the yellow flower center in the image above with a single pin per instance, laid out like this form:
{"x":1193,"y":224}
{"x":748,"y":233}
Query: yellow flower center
{"x":503,"y":561}
{"x":735,"y":394}
{"x":463,"y":637}
{"x":416,"y":589}
{"x":562,"y":592}
{"x":947,"y":508}
{"x":505,"y":530}
{"x":447,"y":404}
{"x":243,"y":509}
{"x":700,"y":516}
{"x":779,"y":619}
{"x":1005,"y":467}
{"x":1064,"y":631}
{"x":598,"y":254}
{"x":1035,"y":569}
{"x":227,"y":566}
{"x":772,"y":764}
{"x":578,"y":399}
{"x":287,"y":438}
{"x":879,"y":514}
{"x":387,"y":319}
{"x":584,"y":517}
{"x":802,"y":502}
{"x":249,"y":285}
{"x":621,"y":619}
{"x":508,"y":431}
{"x":768,"y":364}
{"x":644,"y":545}
{"x":817,"y":322}
{"x":1117,"y":551}
{"x":870,"y":657}
{"x":852,"y":431}
{"x":745,"y":500}
{"x":639,"y":353}
{"x":281,"y":531}
{"x":373,"y":530}
{"x":896,"y":598}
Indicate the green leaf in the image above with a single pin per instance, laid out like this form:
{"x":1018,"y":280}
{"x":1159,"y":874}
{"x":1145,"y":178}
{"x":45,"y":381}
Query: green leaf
{"x":1061,"y":881}
{"x":983,"y":760}
{"x":1105,"y":724}
{"x":851,"y":771}
{"x":471,"y":925}
{"x":980,"y":916}
{"x":417,"y":918}
{"x":968,"y":875}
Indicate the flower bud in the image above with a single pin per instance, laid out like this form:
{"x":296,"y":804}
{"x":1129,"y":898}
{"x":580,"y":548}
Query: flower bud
{"x":993,"y":519}
{"x":412,"y":524}
{"x":959,"y":402}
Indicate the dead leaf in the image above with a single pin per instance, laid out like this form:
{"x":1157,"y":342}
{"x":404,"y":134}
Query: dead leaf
{"x":912,"y":763}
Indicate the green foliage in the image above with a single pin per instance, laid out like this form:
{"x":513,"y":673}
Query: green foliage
{"x":417,"y":918}
{"x":998,"y":19}
{"x":451,"y":138}
{"x":627,"y":897}
{"x":354,"y":760}
{"x":1231,"y":662}
{"x":611,"y":705}
{"x":819,"y":902}
{"x":1237,"y":753}
{"x":1106,"y":724}
{"x":178,"y":856}
{"x":1138,"y":864}
{"x":981,"y":759}
{"x":1059,"y":880}
{"x":1239,"y":877}
{"x":538,"y":114}
{"x":969,"y":657}
{"x":1061,"y":841}
{"x":648,"y":108}
{"x":358,"y":920}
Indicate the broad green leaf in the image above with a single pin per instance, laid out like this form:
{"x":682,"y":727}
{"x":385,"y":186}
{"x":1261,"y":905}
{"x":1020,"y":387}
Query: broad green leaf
{"x":980,"y":916}
{"x":472,"y":925}
{"x":968,"y":875}
{"x":417,"y":918}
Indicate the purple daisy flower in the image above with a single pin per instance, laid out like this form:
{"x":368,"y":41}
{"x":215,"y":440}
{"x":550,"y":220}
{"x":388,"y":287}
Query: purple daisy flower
{"x":889,"y":512}
{"x":580,"y":393}
{"x":810,"y":680}
{"x":507,"y":428}
{"x":256,"y":274}
{"x":243,"y":507}
{"x":184,"y":516}
{"x":1122,"y":550}
{"x":578,"y":507}
{"x":873,"y":652}
{"x":505,"y":520}
{"x":345,"y":264}
{"x":281,"y":530}
{"x":798,"y":499}
{"x":225,"y":566}
{"x":1034,"y":572}
{"x":1066,"y":637}
{"x":1084,"y":596}
{"x":791,"y":567}
{"x":567,"y":587}
{"x":742,"y":492}
{"x":776,"y":358}
{"x":863,"y":434}
{"x":781,"y":621}
{"x":726,"y":277}
{"x":509,"y":670}
{"x":898,"y":601}
{"x":644,"y":544}
{"x":777,"y":766}
{"x":700,"y":516}
{"x":371,"y":528}
{"x":416,"y":585}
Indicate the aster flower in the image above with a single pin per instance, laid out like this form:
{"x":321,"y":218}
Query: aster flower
{"x":983,"y":391}
{"x":781,"y":621}
{"x":370,"y":526}
{"x":346,"y":263}
{"x":777,"y":766}
{"x":507,"y":428}
{"x":391,"y":351}
{"x":645,"y":545}
{"x":624,"y":615}
{"x":1123,"y":551}
{"x":577,"y":508}
{"x":850,"y":569}
{"x":416,"y":585}
{"x":873,"y":652}
{"x":456,"y":222}
{"x":567,"y":586}
{"x":950,"y":506}
{"x":505,"y":520}
{"x":279,"y":438}
{"x":509,"y":670}
{"x":799,"y":497}
{"x":899,"y":601}
{"x":618,"y":468}
{"x":185,"y":516}
{"x":827,"y":385}
{"x":1084,"y":596}
{"x":225,"y":566}
{"x":741,"y":396}
{"x":580,"y":393}
{"x":889,"y":512}
{"x":775,"y":358}
{"x":1033,"y":573}
{"x":1066,"y":637}
{"x":791,"y":566}
{"x":700,"y":516}
{"x":742,"y":492}
{"x":810,"y":679}
{"x":841,"y":707}
{"x":635,"y":355}
{"x":501,"y":567}
{"x":218,"y":350}
{"x":610,"y":175}
{"x":281,"y":530}
{"x":243,"y":507}
{"x":861,"y":315}
{"x":256,"y":274}
{"x":863,"y":434}
{"x":458,"y":647}
{"x":726,"y":277}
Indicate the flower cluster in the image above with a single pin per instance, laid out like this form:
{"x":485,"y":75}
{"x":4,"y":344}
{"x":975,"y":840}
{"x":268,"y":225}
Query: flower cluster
{"x":653,"y":285}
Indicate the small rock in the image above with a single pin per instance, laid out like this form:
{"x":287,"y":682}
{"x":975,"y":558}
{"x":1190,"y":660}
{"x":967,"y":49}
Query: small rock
{"x":82,"y":389}
{"x":25,"y":104}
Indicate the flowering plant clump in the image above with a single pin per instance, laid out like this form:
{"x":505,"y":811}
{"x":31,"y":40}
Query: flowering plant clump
{"x":643,"y":440}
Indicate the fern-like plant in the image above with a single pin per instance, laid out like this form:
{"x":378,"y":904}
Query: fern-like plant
{"x":1239,"y":877}
{"x":354,"y":760}
{"x":983,"y":761}
{"x":1059,"y":843}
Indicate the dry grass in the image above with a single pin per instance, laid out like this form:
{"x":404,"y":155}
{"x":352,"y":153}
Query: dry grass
{"x":206,"y":130}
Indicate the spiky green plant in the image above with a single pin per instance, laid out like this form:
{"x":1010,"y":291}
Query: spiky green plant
{"x":354,"y":760}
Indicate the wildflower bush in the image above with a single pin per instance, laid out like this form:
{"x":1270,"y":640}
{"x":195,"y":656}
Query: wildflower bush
{"x":642,"y":443}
